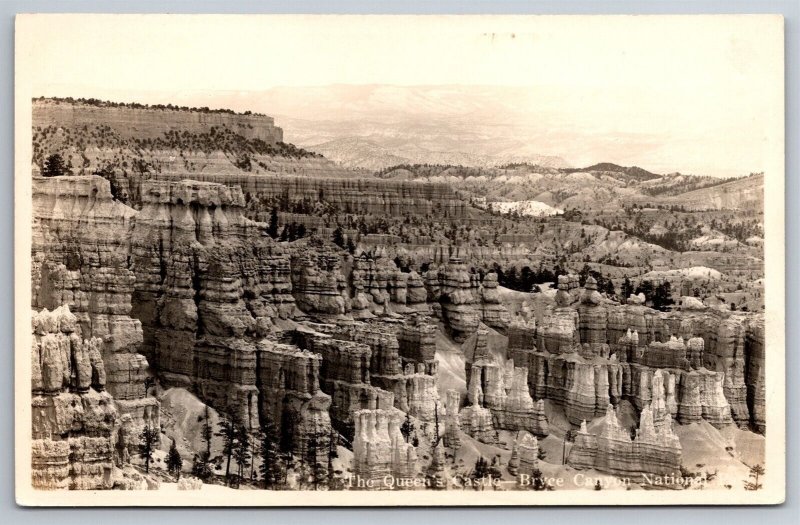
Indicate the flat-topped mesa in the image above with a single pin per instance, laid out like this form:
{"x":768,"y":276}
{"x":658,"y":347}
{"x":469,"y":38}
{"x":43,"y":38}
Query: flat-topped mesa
{"x":74,"y":421}
{"x":654,"y":451}
{"x":524,"y":455}
{"x":80,"y":250}
{"x":344,"y":375}
{"x":318,"y":285}
{"x":379,"y":450}
{"x":288,"y":379}
{"x":144,"y":122}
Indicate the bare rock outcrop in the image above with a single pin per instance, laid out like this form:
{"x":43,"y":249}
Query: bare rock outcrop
{"x":74,"y":420}
{"x":379,"y":450}
{"x":655,"y":449}
{"x":524,"y":455}
{"x":80,"y":259}
{"x":504,"y":391}
{"x":291,"y":398}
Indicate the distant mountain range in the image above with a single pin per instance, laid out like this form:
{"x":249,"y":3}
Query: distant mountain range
{"x":603,"y":186}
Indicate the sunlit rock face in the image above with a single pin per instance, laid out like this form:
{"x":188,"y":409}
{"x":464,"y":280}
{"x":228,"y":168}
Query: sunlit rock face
{"x":411,"y":378}
{"x":379,"y":449}
{"x":464,"y":300}
{"x":291,"y":398}
{"x":654,"y":449}
{"x":74,"y":419}
{"x":711,"y":359}
{"x":80,"y":259}
{"x":503,"y":390}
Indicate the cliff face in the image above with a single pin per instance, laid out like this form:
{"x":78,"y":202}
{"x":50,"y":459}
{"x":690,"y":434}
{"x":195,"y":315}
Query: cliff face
{"x":592,"y":352}
{"x":346,"y":194}
{"x":74,"y":419}
{"x":80,"y":250}
{"x":151,"y":123}
{"x":465,"y":300}
{"x":379,"y":450}
{"x":207,"y":286}
{"x":655,"y":450}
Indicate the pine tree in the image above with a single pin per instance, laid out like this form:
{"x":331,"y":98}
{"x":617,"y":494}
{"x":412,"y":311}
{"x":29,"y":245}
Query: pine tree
{"x":627,"y":289}
{"x":338,"y":237}
{"x":228,"y":431}
{"x":174,"y":461}
{"x":756,"y":471}
{"x":147,"y":440}
{"x":241,"y":451}
{"x":207,"y":432}
{"x":54,"y":166}
{"x":271,"y":474}
{"x":272,"y":229}
{"x":480,"y":471}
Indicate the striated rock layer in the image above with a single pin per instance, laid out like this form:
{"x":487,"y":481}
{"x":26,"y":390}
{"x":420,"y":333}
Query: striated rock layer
{"x":379,"y":450}
{"x":80,"y":259}
{"x":74,"y":420}
{"x":595,"y":352}
{"x":654,"y":451}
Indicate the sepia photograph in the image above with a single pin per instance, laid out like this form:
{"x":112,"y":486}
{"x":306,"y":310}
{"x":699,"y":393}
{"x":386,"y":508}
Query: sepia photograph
{"x":318,"y":260}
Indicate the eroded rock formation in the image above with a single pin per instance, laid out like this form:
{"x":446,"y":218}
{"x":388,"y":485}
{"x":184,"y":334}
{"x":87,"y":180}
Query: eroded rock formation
{"x":379,"y":450}
{"x":655,"y":449}
{"x":74,"y":419}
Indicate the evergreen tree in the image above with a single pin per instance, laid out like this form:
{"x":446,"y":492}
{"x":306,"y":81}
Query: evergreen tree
{"x":241,"y":451}
{"x":207,"y":432}
{"x":201,"y":466}
{"x":272,"y":229}
{"x":756,"y":471}
{"x":284,"y":233}
{"x":271,"y":474}
{"x":338,"y":237}
{"x":479,"y":472}
{"x":351,"y":247}
{"x":174,"y":461}
{"x":147,"y":440}
{"x":54,"y":166}
{"x":538,"y":482}
{"x":228,"y":431}
{"x":300,"y":232}
{"x":627,"y":289}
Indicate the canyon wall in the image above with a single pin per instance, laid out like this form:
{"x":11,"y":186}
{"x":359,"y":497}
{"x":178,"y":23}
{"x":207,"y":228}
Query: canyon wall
{"x":151,"y":123}
{"x":74,"y":420}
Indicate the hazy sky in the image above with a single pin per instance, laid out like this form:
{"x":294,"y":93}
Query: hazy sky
{"x":690,"y":94}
